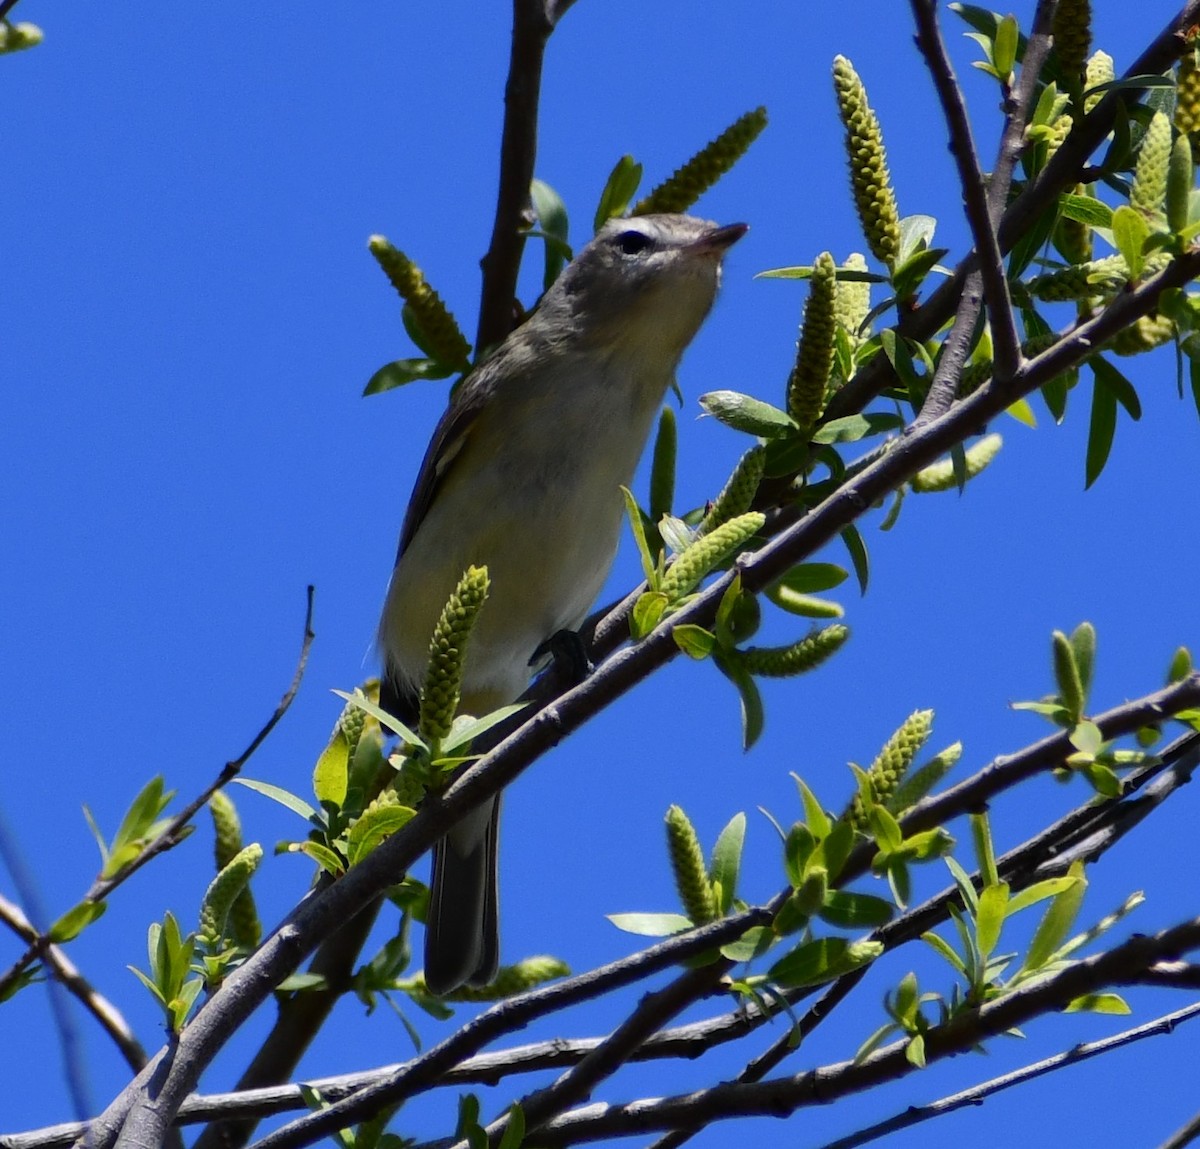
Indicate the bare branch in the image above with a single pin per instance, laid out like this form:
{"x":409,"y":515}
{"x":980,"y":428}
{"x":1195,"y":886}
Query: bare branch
{"x":976,"y":1095}
{"x":175,"y":832}
{"x":65,"y":971}
{"x":782,"y":1096}
{"x":533,"y":22}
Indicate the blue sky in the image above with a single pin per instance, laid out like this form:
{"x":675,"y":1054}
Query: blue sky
{"x":190,"y":316}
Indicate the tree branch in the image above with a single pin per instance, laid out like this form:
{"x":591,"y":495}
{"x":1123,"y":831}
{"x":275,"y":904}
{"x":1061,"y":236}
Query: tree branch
{"x":175,"y":832}
{"x":533,"y":22}
{"x":1061,"y":172}
{"x":977,"y":1094}
{"x":67,"y":973}
{"x":781,"y":1097}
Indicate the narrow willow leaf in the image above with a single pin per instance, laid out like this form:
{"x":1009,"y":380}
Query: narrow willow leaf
{"x":727,"y":859}
{"x":650,"y":925}
{"x":1101,"y":429}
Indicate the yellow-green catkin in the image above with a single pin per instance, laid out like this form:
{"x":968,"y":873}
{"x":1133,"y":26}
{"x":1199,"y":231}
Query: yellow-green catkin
{"x":243,"y":923}
{"x":1187,"y":98}
{"x":440,"y":329}
{"x":687,"y":866}
{"x":1072,"y":30}
{"x":223,"y":891}
{"x":1144,"y":334}
{"x":852,"y":302}
{"x":888,"y":770}
{"x":940,"y":476}
{"x":870,"y":179}
{"x":707,"y":552}
{"x":1099,"y":70}
{"x":1059,"y":130}
{"x":688,"y":183}
{"x":798,"y":657}
{"x":513,"y":979}
{"x":17,"y":37}
{"x":809,"y":380}
{"x":738,"y":493}
{"x":851,"y":306}
{"x":1181,"y":175}
{"x":447,"y":651}
{"x":1101,"y":278}
{"x":1149,"y":191}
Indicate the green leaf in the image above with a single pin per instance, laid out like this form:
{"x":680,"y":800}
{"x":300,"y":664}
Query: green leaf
{"x":1102,"y":427}
{"x":1004,"y":47}
{"x":514,"y":1131}
{"x":651,"y":925}
{"x":755,"y":941}
{"x":1111,"y":1003}
{"x":727,"y":859}
{"x":814,"y":813}
{"x":402,"y":371}
{"x":1118,"y":384}
{"x":332,"y":772}
{"x":910,"y":274}
{"x":920,"y":782}
{"x":71,"y":924}
{"x":552,"y":215}
{"x":359,"y":699}
{"x":647,"y":613}
{"x":329,"y":860}
{"x":618,"y":191}
{"x":1180,"y":666}
{"x":805,"y":605}
{"x":989,"y":918}
{"x":747,"y":414}
{"x":637,"y":524}
{"x":940,"y":946}
{"x":1085,"y":209}
{"x":835,"y":848}
{"x":1057,"y":921}
{"x":1039,"y":892}
{"x":753,"y":715}
{"x":851,"y":911}
{"x":916,"y":234}
{"x":822,"y":960}
{"x":693,"y":640}
{"x":463,"y":733}
{"x":1083,"y":645}
{"x":282,"y":796}
{"x":858,"y":555}
{"x":798,"y":847}
{"x":1130,"y":232}
{"x":884,"y":829}
{"x":662,"y":471}
{"x":376,"y":825}
{"x":809,"y":578}
{"x":851,"y":428}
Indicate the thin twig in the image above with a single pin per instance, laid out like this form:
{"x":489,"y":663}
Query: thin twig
{"x":6,"y":6}
{"x":977,"y":1094}
{"x":533,"y":23}
{"x":982,"y":211}
{"x":504,"y":1017}
{"x":65,"y":971}
{"x":779,"y":1097}
{"x":1063,"y":171}
{"x":176,"y":830}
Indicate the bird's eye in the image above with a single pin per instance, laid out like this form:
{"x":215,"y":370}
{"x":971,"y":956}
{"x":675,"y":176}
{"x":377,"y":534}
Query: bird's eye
{"x":631,"y":242}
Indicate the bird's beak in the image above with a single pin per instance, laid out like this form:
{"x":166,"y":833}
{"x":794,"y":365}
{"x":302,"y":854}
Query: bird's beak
{"x":721,"y":238}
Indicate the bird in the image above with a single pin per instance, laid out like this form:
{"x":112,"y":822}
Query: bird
{"x":523,"y":475}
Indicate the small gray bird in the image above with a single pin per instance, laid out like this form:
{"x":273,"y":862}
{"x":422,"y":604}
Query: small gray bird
{"x":522,"y":475}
